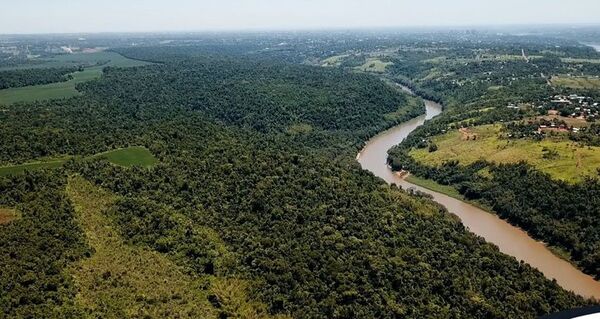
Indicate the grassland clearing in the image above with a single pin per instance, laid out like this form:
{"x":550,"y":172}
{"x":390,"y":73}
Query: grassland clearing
{"x":103,"y":58}
{"x":399,"y":114}
{"x":374,"y":65}
{"x":572,"y":162}
{"x":93,"y":64}
{"x":576,"y":82}
{"x":130,"y":156}
{"x":481,"y":58}
{"x":579,"y":61}
{"x":50,"y":91}
{"x":7,"y":215}
{"x":18,"y":169}
{"x":126,"y":157}
{"x":434,"y":186}
{"x":571,"y":121}
{"x":335,"y":60}
{"x":124,"y":281}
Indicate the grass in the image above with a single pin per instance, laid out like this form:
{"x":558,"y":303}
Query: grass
{"x":121,"y":280}
{"x":576,"y":82}
{"x":483,"y":57}
{"x":434,"y":186}
{"x":572,"y":164}
{"x":577,"y":61}
{"x":399,"y":114}
{"x":575,"y":122}
{"x":18,"y":169}
{"x":104,"y":58}
{"x":7,"y":215}
{"x":124,"y":281}
{"x":126,"y":157}
{"x":67,"y":89}
{"x":130,"y":156}
{"x":335,"y":60}
{"x":50,"y":91}
{"x":374,"y":65}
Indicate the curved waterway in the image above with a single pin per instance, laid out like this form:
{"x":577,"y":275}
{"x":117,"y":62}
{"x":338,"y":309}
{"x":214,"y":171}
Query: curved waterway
{"x":510,"y":240}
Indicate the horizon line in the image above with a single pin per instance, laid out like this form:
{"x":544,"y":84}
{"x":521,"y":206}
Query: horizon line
{"x":440,"y":27}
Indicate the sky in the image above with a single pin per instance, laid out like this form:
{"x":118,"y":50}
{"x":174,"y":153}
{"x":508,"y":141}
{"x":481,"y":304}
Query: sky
{"x":78,"y":16}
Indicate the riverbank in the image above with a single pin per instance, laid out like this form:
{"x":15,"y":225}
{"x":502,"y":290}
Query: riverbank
{"x":509,"y":239}
{"x":452,"y":192}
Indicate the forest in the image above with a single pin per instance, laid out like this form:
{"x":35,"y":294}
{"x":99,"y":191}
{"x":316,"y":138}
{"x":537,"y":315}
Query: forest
{"x":561,"y":214}
{"x":26,"y":77}
{"x":256,"y":183}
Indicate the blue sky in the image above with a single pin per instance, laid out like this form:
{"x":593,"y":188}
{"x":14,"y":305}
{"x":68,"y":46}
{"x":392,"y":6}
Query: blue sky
{"x":49,"y":16}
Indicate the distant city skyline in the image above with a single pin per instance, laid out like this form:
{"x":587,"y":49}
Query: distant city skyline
{"x":86,"y":16}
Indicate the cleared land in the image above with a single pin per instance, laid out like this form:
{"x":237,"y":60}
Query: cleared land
{"x":131,"y":156}
{"x":572,"y":162}
{"x":578,"y":61}
{"x":434,"y":186}
{"x":127,"y":157}
{"x":7,"y":215}
{"x":103,"y":59}
{"x":335,"y":60}
{"x":49,"y":91}
{"x":480,"y":58}
{"x":374,"y":65}
{"x":121,"y":280}
{"x":17,"y":169}
{"x":93,"y":63}
{"x":576,"y":82}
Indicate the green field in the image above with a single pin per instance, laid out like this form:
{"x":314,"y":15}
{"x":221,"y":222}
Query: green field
{"x":434,"y":186}
{"x":17,"y":169}
{"x":577,"y":82}
{"x":104,"y":58}
{"x":49,"y":91}
{"x":578,"y":61}
{"x":126,"y":157}
{"x":374,"y":65}
{"x":572,"y":163}
{"x":93,"y":63}
{"x":131,"y":156}
{"x":335,"y":60}
{"x":128,"y":265}
{"x":480,"y":58}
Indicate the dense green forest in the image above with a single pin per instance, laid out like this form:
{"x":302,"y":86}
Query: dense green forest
{"x":26,"y":77}
{"x":255,"y":182}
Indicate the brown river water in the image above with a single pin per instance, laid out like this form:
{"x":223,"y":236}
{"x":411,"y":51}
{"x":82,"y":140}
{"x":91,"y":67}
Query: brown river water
{"x":510,"y":240}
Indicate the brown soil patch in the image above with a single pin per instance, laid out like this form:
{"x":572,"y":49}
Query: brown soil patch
{"x":467,"y":135}
{"x":7,"y":215}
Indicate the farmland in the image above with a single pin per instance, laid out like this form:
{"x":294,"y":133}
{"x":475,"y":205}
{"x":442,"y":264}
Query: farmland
{"x":131,"y":156}
{"x":17,"y":169}
{"x":126,"y":157}
{"x":49,"y":91}
{"x":577,"y":82}
{"x":572,"y":162}
{"x":374,"y":65}
{"x":104,"y":58}
{"x":93,"y":63}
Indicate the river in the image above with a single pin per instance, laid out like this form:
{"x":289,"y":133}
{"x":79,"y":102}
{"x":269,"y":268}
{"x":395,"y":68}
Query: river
{"x":510,"y":240}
